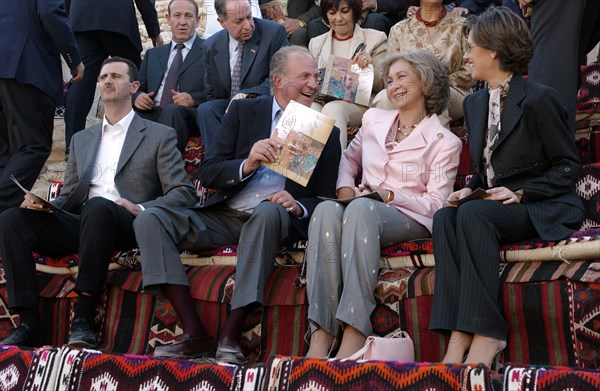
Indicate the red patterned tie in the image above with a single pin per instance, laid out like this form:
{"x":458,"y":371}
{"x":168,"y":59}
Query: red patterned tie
{"x":236,"y":74}
{"x":172,"y":76}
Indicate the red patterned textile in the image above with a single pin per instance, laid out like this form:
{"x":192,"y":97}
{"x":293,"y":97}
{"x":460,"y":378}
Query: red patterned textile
{"x":545,"y":378}
{"x":288,"y":373}
{"x":14,"y":364}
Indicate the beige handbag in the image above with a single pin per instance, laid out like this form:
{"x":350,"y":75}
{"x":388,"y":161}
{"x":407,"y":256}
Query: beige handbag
{"x":397,"y":347}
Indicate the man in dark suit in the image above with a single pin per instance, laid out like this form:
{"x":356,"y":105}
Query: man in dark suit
{"x":115,"y":170}
{"x":102,"y":29}
{"x":295,"y":20}
{"x":33,"y":36}
{"x":254,"y":206}
{"x":563,"y":35}
{"x":171,"y":88}
{"x":257,"y":40}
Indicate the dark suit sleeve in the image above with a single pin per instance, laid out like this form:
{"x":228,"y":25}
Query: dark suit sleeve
{"x":326,"y":173}
{"x":142,"y":78}
{"x":206,"y":56}
{"x":220,"y":169}
{"x":148,"y":11}
{"x":395,"y":9}
{"x":551,"y":125}
{"x":275,"y":42}
{"x":54,"y":19}
{"x":474,"y":6}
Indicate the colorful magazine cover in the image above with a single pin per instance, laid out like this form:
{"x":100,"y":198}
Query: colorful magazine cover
{"x":345,"y":80}
{"x":302,"y":132}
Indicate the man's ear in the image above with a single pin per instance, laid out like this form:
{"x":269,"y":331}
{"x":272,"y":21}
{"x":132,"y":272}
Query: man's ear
{"x":277,"y":81}
{"x":134,"y":87}
{"x":221,"y":21}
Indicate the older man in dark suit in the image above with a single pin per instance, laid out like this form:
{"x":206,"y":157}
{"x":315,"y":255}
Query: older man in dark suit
{"x":33,"y":35}
{"x":254,"y":206}
{"x":115,"y":170}
{"x":236,"y":60}
{"x":172,"y":76}
{"x":104,"y":28}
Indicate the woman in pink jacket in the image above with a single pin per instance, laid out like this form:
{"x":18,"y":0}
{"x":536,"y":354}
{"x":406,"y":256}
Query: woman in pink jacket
{"x":410,"y":160}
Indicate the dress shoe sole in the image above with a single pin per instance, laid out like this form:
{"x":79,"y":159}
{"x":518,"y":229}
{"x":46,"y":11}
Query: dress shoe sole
{"x":81,"y":345}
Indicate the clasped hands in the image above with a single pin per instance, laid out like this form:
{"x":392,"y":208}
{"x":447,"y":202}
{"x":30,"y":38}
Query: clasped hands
{"x":501,"y":193}
{"x":145,"y":101}
{"x":362,"y":189}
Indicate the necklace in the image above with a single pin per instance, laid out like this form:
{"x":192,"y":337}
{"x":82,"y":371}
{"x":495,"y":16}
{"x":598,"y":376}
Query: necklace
{"x":431,"y":23}
{"x":405,"y":134}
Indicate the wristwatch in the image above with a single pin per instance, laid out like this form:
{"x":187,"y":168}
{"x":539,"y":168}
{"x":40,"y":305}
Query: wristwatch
{"x":302,"y":24}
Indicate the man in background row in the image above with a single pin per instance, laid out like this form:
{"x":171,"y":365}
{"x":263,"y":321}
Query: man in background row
{"x":33,"y":36}
{"x":104,"y":28}
{"x":172,"y":76}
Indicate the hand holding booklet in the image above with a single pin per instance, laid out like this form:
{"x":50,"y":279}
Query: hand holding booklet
{"x":302,"y":132}
{"x":477,"y":194}
{"x":47,"y":205}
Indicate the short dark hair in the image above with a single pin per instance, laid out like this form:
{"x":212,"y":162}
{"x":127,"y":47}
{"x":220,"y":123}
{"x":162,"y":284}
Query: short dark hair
{"x":132,"y":69}
{"x":190,"y":1}
{"x":220,"y":8}
{"x":499,"y":29}
{"x":355,"y":5}
{"x":435,"y":82}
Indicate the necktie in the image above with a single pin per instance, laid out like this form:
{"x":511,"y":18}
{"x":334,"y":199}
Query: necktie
{"x":236,"y":74}
{"x":171,"y":80}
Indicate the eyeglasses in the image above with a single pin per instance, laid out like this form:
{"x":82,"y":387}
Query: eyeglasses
{"x":470,"y":47}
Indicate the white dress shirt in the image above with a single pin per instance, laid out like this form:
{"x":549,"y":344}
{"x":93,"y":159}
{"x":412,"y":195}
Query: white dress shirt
{"x":107,"y":159}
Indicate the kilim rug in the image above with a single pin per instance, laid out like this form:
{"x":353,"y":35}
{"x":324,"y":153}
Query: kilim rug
{"x":73,"y":370}
{"x":14,"y":364}
{"x":288,"y":373}
{"x":540,"y":378}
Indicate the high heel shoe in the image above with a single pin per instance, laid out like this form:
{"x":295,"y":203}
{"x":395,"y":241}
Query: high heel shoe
{"x":495,"y":365}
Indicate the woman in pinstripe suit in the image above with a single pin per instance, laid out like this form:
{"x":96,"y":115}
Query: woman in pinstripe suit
{"x":526,"y":162}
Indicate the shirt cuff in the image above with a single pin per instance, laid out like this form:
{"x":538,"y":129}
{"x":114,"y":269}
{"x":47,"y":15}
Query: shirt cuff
{"x":242,"y":178}
{"x":304,"y":211}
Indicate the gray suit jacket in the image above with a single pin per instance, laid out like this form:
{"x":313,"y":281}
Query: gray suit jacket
{"x":267,"y":38}
{"x":150,"y":171}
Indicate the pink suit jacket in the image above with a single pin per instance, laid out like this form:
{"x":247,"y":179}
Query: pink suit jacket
{"x":420,"y":170}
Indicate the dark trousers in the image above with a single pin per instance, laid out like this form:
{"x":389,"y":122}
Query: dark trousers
{"x":103,"y":227}
{"x":556,"y":30}
{"x":466,"y":244}
{"x":26,"y":124}
{"x":209,"y":116}
{"x":180,"y":118}
{"x":95,"y":47}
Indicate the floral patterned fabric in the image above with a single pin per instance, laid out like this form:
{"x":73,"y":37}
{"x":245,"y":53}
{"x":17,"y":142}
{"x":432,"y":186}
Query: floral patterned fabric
{"x":446,"y":41}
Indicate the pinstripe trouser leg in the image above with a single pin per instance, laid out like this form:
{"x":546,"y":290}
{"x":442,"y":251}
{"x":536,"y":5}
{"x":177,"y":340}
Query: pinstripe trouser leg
{"x":466,"y":243}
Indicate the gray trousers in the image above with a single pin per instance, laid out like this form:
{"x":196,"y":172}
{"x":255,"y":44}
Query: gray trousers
{"x":342,"y":259}
{"x":162,"y":232}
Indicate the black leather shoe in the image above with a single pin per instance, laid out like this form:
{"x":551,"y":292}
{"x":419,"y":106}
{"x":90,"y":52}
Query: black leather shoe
{"x":82,"y":335}
{"x":24,"y":335}
{"x":229,"y":352}
{"x":186,"y":347}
